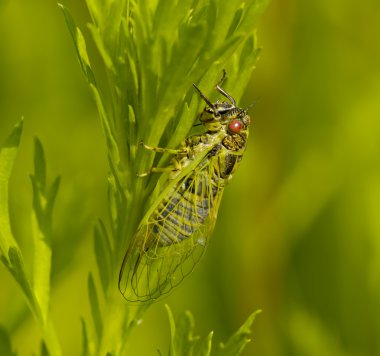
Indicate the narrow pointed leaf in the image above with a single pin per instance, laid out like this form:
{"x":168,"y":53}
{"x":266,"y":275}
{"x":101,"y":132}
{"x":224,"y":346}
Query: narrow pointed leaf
{"x":103,"y":256}
{"x":205,"y":346}
{"x":85,"y":339}
{"x":237,"y":342}
{"x":7,"y":157}
{"x":80,"y":45}
{"x":94,"y":303}
{"x":43,"y":350}
{"x":172,"y":349}
{"x":39,"y":164}
{"x":5,"y":344}
{"x":17,"y":269}
{"x":185,"y":340}
{"x":43,"y":202}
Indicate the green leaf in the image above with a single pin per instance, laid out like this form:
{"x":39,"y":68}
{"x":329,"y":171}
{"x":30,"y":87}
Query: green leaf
{"x":112,"y":146}
{"x":17,"y":268}
{"x":103,"y":254}
{"x":206,"y":345}
{"x":39,"y":165}
{"x":5,"y":344}
{"x":94,"y":303}
{"x":237,"y":342}
{"x":15,"y":265}
{"x":172,"y":349}
{"x":235,"y":22}
{"x":11,"y":256}
{"x":51,"y":196}
{"x":43,"y":203}
{"x":182,"y":339}
{"x":80,"y":45}
{"x":85,"y":339}
{"x":43,"y":350}
{"x":102,"y":49}
{"x":7,"y":157}
{"x":185,"y":341}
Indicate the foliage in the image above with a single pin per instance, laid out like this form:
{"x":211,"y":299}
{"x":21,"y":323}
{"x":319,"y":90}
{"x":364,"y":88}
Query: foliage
{"x":37,"y":291}
{"x":149,"y":61}
{"x":183,"y":343}
{"x":142,"y":91}
{"x":298,"y":231}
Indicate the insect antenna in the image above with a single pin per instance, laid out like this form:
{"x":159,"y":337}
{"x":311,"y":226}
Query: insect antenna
{"x":228,"y":96}
{"x":208,"y":102}
{"x":253,"y":104}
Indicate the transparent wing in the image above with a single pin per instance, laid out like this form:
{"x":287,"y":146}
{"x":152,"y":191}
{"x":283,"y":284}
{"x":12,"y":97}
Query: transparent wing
{"x":167,"y":247}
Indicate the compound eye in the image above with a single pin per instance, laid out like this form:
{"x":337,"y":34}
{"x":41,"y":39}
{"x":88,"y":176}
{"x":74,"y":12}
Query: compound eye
{"x":235,"y":126}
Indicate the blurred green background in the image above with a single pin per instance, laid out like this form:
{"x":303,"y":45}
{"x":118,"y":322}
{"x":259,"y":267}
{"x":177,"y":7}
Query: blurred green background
{"x":298,"y":233}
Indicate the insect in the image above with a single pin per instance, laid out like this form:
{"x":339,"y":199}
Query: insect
{"x":174,"y":233}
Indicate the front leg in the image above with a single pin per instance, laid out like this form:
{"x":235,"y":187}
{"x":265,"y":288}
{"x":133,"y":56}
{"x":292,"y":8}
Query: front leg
{"x":175,"y":166}
{"x":183,"y":150}
{"x":157,"y":170}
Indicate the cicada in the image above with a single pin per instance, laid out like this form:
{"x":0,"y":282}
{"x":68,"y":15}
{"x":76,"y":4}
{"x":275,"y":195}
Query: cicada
{"x":174,"y":233}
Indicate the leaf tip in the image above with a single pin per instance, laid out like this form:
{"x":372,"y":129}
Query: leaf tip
{"x":13,"y":140}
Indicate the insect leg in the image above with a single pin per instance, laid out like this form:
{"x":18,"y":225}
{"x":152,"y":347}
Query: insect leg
{"x":175,"y":166}
{"x":157,"y":170}
{"x":165,"y":150}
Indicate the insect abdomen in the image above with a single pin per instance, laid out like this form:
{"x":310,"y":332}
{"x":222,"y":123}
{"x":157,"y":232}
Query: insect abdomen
{"x":183,"y":211}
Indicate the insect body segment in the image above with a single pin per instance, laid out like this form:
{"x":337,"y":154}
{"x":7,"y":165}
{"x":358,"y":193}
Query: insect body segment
{"x":174,"y":233}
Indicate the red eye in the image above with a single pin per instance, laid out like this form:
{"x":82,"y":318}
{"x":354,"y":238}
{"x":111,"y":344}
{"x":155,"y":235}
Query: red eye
{"x":235,"y":126}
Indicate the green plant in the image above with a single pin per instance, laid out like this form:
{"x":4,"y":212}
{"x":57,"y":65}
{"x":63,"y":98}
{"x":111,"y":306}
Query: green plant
{"x":184,"y":343}
{"x":150,"y":60}
{"x":142,"y":89}
{"x":37,"y":293}
{"x":36,"y":289}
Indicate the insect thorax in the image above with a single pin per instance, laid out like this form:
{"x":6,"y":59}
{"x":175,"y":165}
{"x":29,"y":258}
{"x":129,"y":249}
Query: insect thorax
{"x":235,"y":142}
